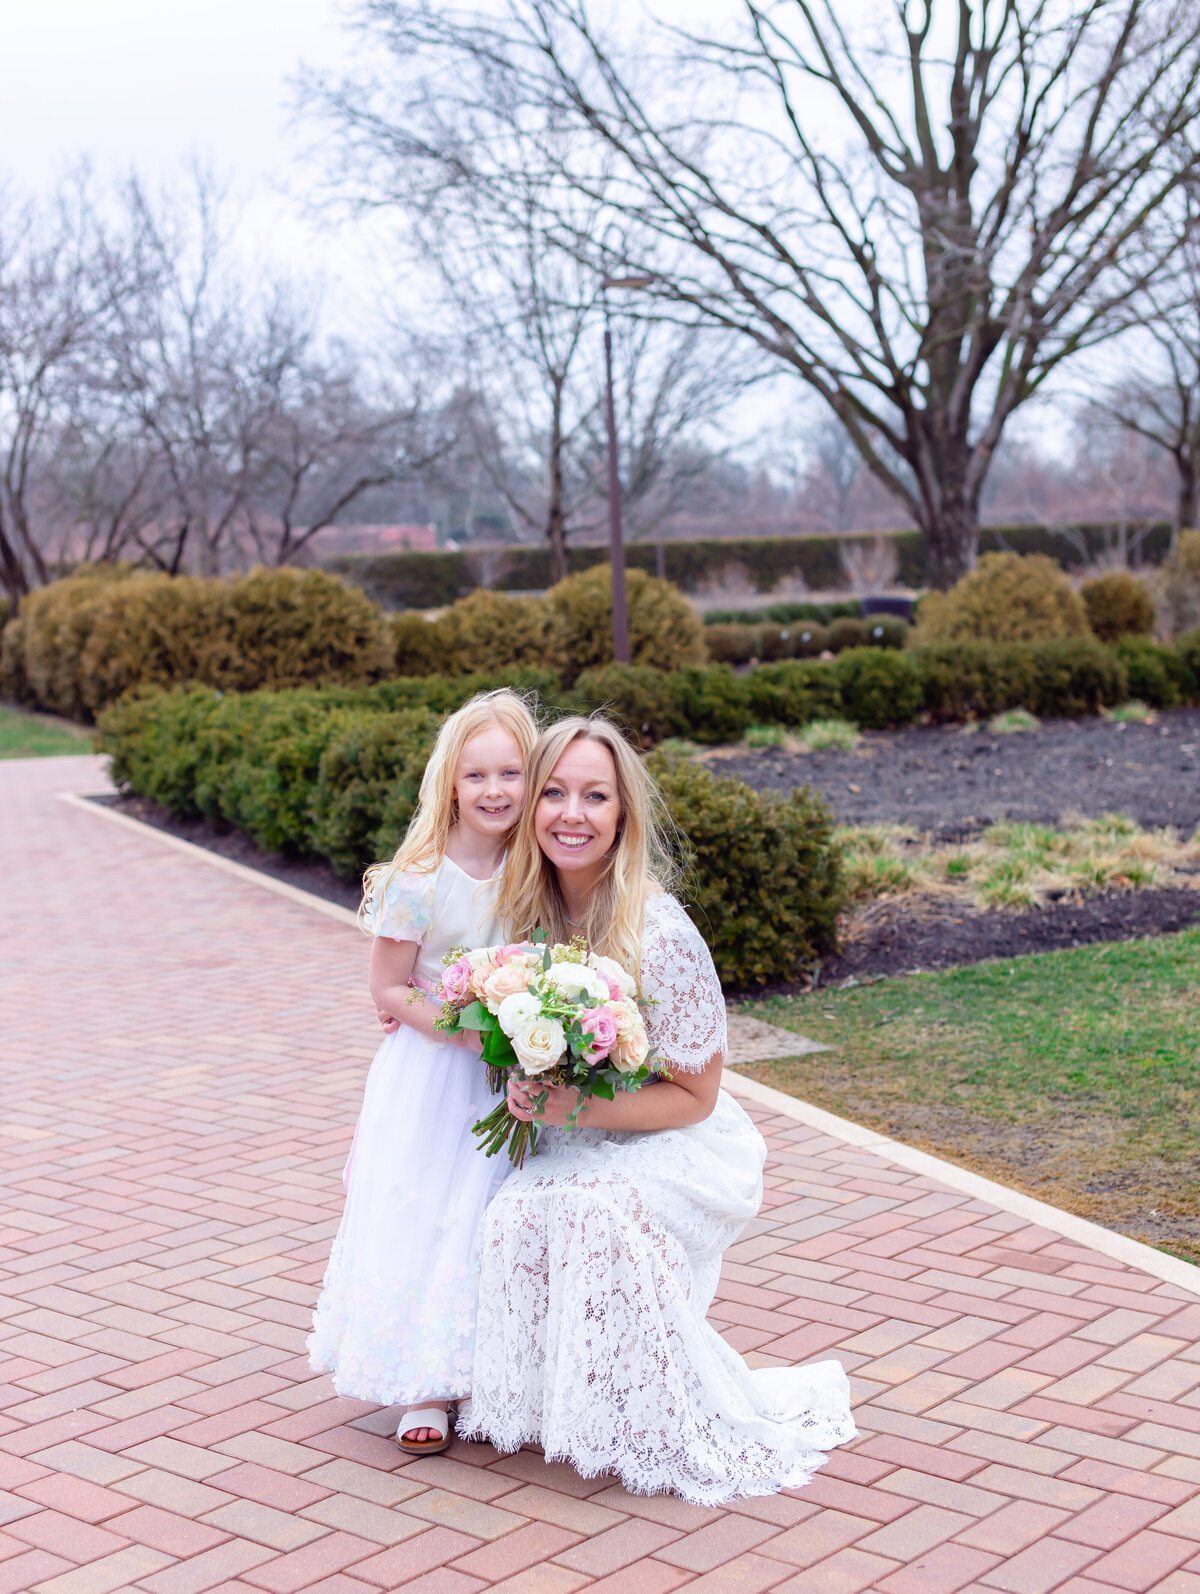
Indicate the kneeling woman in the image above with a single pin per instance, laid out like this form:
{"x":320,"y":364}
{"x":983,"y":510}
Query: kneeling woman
{"x":600,"y":1257}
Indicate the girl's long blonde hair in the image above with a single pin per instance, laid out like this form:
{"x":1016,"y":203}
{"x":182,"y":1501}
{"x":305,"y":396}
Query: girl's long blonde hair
{"x":639,"y":860}
{"x":424,"y":844}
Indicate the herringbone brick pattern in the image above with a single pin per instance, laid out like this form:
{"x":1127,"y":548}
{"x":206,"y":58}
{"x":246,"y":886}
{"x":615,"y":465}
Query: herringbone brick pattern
{"x":182,"y":1058}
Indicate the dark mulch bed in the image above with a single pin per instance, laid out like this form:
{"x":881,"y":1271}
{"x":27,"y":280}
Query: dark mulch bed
{"x":953,"y":784}
{"x":905,"y":934}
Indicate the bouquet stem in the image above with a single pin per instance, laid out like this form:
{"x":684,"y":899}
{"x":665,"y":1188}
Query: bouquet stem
{"x":500,"y":1129}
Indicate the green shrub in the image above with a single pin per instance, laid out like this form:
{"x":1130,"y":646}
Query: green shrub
{"x":43,"y":647}
{"x":1073,"y":678}
{"x":418,"y":646}
{"x":764,"y":876}
{"x":664,"y":629}
{"x":886,"y":631}
{"x":733,"y":644}
{"x":1006,"y":598}
{"x":82,"y":642}
{"x":793,"y":693}
{"x":366,"y":786}
{"x":491,"y":631}
{"x":1160,"y":677}
{"x":847,"y":633}
{"x":811,"y":640}
{"x":1118,"y":605}
{"x":1187,"y":645}
{"x":878,"y":687}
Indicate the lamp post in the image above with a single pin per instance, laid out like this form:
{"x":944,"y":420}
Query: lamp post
{"x":616,"y":543}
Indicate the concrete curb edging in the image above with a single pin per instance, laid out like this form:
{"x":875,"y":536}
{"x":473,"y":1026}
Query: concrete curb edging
{"x":1132,"y":1253}
{"x":1119,"y":1247}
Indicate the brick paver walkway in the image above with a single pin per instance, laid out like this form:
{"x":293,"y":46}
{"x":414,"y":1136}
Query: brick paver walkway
{"x":183,"y":1054}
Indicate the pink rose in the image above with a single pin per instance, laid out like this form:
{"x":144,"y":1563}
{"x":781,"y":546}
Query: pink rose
{"x":456,"y":980}
{"x":504,"y":981}
{"x":601,"y":1024}
{"x":512,"y":954}
{"x":614,"y":990}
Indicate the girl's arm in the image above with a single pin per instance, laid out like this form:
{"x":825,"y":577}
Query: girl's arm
{"x":669,"y":1104}
{"x":392,"y":964}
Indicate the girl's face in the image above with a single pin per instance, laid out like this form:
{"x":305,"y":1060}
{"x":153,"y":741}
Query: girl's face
{"x":579,"y":810}
{"x":490,"y":783}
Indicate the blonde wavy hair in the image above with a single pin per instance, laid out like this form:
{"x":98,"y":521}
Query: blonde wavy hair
{"x":640,"y":859}
{"x":424,"y":844}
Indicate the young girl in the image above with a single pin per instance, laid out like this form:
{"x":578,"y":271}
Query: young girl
{"x":395,"y":1323}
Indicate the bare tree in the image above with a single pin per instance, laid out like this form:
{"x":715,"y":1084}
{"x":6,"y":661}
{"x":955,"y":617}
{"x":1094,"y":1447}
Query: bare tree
{"x":1160,"y":401}
{"x":922,"y":213}
{"x":468,"y":170}
{"x":62,"y":284}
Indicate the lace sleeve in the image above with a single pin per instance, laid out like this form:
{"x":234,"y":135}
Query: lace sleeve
{"x":403,"y":910}
{"x":688,"y":1023}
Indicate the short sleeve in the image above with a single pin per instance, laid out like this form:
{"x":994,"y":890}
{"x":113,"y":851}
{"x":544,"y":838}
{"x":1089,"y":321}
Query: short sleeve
{"x":403,"y":910}
{"x":687,"y":1024}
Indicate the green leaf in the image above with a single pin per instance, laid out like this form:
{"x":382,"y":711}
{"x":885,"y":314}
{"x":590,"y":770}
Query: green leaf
{"x":603,"y":1088}
{"x":476,"y":1016}
{"x":497,"y":1048}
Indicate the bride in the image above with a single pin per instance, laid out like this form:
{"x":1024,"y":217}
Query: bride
{"x":599,"y":1258}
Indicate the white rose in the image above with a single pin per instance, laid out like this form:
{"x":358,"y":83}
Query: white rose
{"x":576,"y":979}
{"x":515,"y":1012}
{"x":482,"y":957}
{"x":613,"y":971}
{"x":539,"y":1045}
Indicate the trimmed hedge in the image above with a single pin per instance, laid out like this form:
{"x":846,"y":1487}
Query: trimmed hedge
{"x":334,"y":774}
{"x":412,"y":579}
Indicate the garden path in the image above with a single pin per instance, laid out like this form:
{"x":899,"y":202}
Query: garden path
{"x":183,"y":1053}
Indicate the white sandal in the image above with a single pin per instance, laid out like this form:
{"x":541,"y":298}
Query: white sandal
{"x":424,"y":1417}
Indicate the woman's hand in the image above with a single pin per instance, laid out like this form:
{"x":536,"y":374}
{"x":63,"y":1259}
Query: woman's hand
{"x":388,"y":1021}
{"x":561,"y":1101}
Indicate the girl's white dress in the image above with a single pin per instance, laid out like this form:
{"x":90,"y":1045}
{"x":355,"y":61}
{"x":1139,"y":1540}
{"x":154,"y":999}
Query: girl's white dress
{"x":396,"y":1319}
{"x":598,"y":1261}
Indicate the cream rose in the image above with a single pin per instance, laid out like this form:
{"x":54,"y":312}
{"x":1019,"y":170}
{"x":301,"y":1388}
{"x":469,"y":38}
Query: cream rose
{"x":518,"y":1011}
{"x":631,"y":1053}
{"x":576,"y":979}
{"x":629,"y":1018}
{"x":507,"y":980}
{"x":539,"y":1045}
{"x":610,"y":969}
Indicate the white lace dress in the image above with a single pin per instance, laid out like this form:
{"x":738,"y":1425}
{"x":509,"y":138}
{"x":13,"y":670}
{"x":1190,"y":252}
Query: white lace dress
{"x":598,"y":1261}
{"x":396,"y":1319}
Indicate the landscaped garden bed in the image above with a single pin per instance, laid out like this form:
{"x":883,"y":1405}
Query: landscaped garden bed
{"x":1074,"y":1076}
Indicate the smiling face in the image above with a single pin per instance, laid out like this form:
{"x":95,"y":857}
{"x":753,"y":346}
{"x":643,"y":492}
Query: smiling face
{"x":579,"y":811}
{"x":489,"y":783}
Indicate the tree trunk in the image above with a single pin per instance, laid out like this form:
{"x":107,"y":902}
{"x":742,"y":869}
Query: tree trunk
{"x":1186,"y":497}
{"x":556,"y":520}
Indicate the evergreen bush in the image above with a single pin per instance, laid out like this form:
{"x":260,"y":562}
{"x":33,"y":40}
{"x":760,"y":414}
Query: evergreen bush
{"x":1006,"y":598}
{"x":733,"y":644}
{"x":1160,"y":677}
{"x":1118,"y":605}
{"x":878,"y":688}
{"x":847,"y":633}
{"x":1177,"y":586}
{"x":664,"y":629}
{"x":763,"y":881}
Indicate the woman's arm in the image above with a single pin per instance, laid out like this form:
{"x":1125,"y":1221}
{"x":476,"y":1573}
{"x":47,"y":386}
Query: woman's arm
{"x":669,"y":1104}
{"x":392,"y":964}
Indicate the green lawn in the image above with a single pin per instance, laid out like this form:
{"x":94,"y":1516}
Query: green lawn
{"x":1074,"y":1076}
{"x":38,"y":736}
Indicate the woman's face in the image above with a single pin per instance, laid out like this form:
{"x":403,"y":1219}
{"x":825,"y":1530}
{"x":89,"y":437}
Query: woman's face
{"x":578,"y":811}
{"x":490,"y":783}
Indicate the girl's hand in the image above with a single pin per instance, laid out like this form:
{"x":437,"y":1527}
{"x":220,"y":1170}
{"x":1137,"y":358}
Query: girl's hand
{"x":388,"y":1023}
{"x":561,"y":1101}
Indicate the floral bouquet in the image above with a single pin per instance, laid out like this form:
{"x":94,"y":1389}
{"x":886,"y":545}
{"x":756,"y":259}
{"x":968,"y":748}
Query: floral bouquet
{"x":559,"y":1015}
